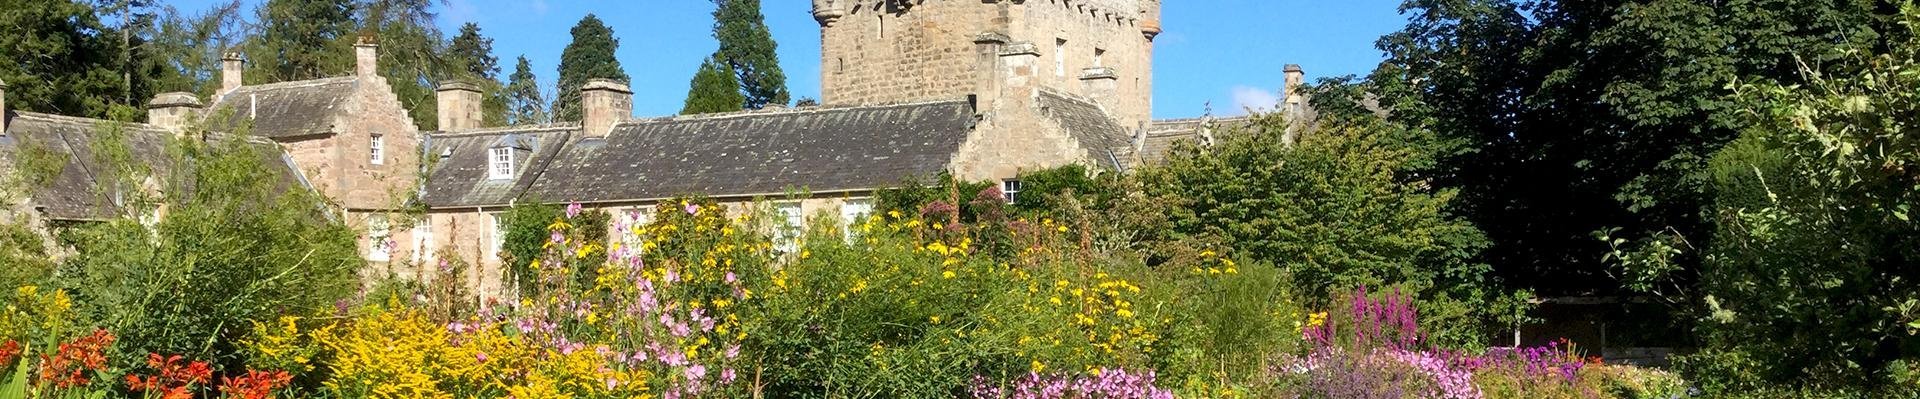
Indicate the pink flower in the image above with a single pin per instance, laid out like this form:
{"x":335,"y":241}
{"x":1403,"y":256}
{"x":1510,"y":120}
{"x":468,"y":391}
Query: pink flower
{"x":573,"y":210}
{"x":692,"y":209}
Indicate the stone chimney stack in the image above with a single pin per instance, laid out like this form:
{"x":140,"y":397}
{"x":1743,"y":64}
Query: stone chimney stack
{"x":1102,"y":85}
{"x":172,"y":111}
{"x":606,"y":103}
{"x":826,"y":12}
{"x":1291,"y":93}
{"x":1019,"y":66}
{"x":231,"y":68}
{"x":366,"y":57}
{"x":459,"y":106}
{"x":986,"y":72}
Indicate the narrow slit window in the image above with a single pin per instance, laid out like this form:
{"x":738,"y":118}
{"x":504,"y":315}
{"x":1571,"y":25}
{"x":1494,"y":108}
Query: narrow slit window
{"x":1060,"y":57}
{"x":379,"y":149}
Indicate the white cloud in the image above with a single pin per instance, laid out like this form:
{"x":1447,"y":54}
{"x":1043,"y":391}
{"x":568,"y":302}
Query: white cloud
{"x":1252,"y":98}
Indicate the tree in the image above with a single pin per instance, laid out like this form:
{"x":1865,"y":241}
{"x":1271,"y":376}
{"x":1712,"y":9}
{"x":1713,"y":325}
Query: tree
{"x":1337,"y":210}
{"x":471,"y":55}
{"x":302,"y":39}
{"x":412,"y":54}
{"x":473,"y":52}
{"x":1565,"y":118}
{"x":747,"y":48}
{"x":524,"y":103}
{"x":60,"y":58}
{"x":589,"y":56}
{"x":235,"y":246}
{"x":186,"y":49}
{"x":1810,"y":276}
{"x":714,"y":90}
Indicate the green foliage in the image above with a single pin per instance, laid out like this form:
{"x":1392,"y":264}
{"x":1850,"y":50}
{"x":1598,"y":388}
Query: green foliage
{"x":302,"y":39}
{"x":713,"y":90}
{"x":525,"y":240}
{"x":748,"y":50}
{"x":1584,"y":116}
{"x":1333,"y":209}
{"x":1809,"y":278}
{"x":524,"y":103}
{"x":236,"y":244}
{"x":27,"y":256}
{"x":588,"y":56}
{"x":61,"y":58}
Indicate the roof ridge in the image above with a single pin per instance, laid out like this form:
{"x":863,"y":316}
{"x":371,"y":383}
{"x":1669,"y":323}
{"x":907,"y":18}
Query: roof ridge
{"x":300,"y":83}
{"x":792,"y":111}
{"x":528,"y":128}
{"x":82,"y":119}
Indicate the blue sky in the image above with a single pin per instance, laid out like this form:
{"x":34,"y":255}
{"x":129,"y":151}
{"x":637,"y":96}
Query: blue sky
{"x":1227,"y":52}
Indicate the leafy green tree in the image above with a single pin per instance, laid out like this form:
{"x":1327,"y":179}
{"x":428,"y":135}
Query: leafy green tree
{"x":714,"y":90}
{"x":234,"y":245}
{"x":1558,"y":119}
{"x":60,"y":58}
{"x":526,"y":225}
{"x":186,"y":48}
{"x":1336,"y":211}
{"x":1811,"y":277}
{"x":524,"y":102}
{"x":589,"y":56}
{"x":302,"y":39}
{"x":747,"y":48}
{"x":472,"y":55}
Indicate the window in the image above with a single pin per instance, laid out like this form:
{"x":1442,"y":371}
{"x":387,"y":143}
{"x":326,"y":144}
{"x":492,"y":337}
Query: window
{"x":1060,"y":57}
{"x":787,"y":234}
{"x":499,"y":233}
{"x":853,"y":213}
{"x":379,"y":146}
{"x":379,"y":244}
{"x":500,"y":164}
{"x":422,"y":241}
{"x":1010,"y":188}
{"x":1097,"y":55}
{"x":631,"y":221}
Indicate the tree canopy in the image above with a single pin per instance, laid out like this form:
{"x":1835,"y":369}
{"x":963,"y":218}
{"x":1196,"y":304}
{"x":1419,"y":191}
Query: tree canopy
{"x":589,"y":56}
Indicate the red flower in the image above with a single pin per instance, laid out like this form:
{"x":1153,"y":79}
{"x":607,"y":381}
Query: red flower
{"x":9,"y":352}
{"x":74,"y":361}
{"x":254,"y":385}
{"x":173,"y":380}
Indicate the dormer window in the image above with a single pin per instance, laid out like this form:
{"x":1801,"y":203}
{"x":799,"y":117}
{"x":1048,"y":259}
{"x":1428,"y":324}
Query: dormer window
{"x":500,"y":163}
{"x":379,"y":149}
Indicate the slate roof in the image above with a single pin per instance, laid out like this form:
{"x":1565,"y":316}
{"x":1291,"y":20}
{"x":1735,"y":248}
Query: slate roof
{"x":288,"y":109}
{"x":74,"y":193}
{"x":765,"y":152}
{"x":1108,"y":144}
{"x":460,"y":177}
{"x":1163,"y":133}
{"x":736,"y":154}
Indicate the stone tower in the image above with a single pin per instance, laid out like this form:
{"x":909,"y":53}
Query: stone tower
{"x":886,"y":51}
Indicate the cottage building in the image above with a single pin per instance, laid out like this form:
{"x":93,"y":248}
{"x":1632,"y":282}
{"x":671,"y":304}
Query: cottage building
{"x":983,"y":90}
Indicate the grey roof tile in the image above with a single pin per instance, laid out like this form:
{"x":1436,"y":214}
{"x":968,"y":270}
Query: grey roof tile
{"x":1107,"y":143}
{"x":288,"y":109}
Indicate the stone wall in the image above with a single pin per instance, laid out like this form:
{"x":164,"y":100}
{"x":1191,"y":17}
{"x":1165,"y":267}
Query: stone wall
{"x":879,"y":51}
{"x":467,"y":236}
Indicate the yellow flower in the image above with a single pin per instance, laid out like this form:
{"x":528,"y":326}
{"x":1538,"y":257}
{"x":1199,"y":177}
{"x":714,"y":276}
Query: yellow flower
{"x":947,"y":275}
{"x":934,"y":319}
{"x":1038,"y":366}
{"x":1316,"y":319}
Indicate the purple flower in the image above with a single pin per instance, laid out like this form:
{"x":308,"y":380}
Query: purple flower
{"x":573,"y":210}
{"x":692,"y":209}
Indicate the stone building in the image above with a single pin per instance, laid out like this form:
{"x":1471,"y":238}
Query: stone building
{"x":981,"y":89}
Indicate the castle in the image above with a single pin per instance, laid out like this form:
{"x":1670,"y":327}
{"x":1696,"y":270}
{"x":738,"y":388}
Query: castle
{"x":981,"y":89}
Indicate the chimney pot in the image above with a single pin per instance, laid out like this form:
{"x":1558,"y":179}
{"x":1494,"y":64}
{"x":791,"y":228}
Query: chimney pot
{"x":232,"y":65}
{"x":607,"y":103}
{"x":366,"y":56}
{"x":459,"y":106}
{"x":172,"y":111}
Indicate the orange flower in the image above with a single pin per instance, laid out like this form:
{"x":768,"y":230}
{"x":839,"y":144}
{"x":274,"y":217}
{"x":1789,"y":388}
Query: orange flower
{"x":254,"y":384}
{"x":74,"y":361}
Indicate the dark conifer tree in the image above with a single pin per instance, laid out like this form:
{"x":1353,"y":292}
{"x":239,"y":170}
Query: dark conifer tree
{"x":589,"y":56}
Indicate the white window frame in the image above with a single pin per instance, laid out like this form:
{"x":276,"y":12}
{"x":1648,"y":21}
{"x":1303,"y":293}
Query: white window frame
{"x":499,"y":232}
{"x":792,"y":226}
{"x":1010,"y":188}
{"x":378,"y":148}
{"x":499,"y":163}
{"x":378,"y":233}
{"x":423,"y":240}
{"x":853,"y":212}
